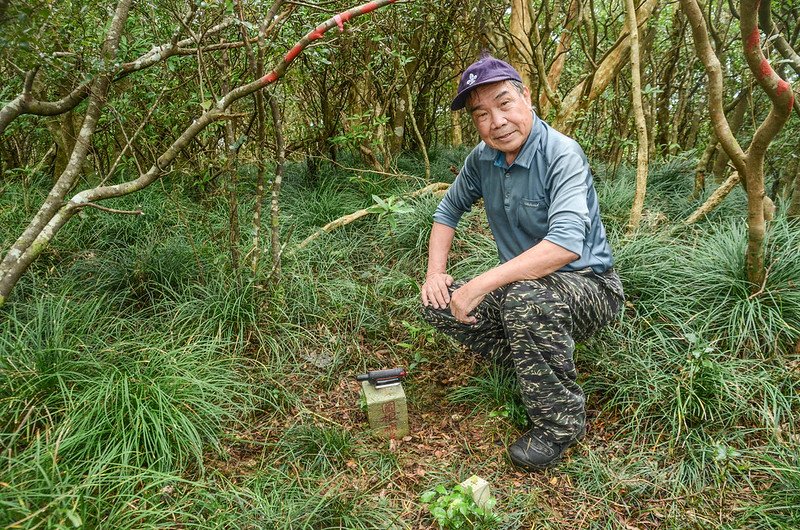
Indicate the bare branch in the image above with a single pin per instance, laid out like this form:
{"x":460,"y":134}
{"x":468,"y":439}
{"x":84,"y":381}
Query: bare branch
{"x":714,"y":72}
{"x":111,"y":210}
{"x":26,"y":104}
{"x":317,"y":33}
{"x":778,"y":90}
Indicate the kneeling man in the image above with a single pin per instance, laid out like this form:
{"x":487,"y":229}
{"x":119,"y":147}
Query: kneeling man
{"x":555,"y":283}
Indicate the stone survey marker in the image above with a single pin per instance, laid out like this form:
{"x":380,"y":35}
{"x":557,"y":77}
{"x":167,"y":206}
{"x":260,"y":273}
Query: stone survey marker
{"x":386,"y":410}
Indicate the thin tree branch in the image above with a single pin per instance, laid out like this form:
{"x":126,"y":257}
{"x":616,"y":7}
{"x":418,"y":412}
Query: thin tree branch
{"x":715,"y":95}
{"x":26,"y":104}
{"x":111,"y":210}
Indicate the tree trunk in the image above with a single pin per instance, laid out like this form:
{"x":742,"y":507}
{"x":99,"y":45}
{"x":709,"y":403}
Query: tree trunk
{"x":520,"y":52}
{"x":641,"y":124}
{"x":750,"y":165}
{"x":793,"y":211}
{"x":702,"y":167}
{"x":592,"y":86}
{"x":670,"y":66}
{"x":557,"y":66}
{"x":457,"y":138}
{"x":736,"y":121}
{"x":275,"y":213}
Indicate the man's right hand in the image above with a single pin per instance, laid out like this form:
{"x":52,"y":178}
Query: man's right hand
{"x":435,"y":290}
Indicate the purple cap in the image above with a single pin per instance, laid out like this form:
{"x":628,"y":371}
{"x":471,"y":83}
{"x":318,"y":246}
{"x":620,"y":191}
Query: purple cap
{"x":485,"y":70}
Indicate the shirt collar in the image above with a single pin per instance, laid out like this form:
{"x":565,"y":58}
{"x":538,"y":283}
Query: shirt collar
{"x":526,"y":154}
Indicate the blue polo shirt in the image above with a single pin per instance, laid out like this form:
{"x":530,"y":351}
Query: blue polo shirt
{"x":546,"y":194}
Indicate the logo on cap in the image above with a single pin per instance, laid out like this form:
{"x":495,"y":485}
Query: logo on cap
{"x":472,"y":79}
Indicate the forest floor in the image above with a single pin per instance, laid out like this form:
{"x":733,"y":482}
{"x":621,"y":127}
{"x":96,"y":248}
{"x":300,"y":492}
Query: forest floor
{"x":146,"y":384}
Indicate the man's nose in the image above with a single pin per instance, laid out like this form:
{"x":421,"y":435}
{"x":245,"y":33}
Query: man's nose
{"x":498,"y":119}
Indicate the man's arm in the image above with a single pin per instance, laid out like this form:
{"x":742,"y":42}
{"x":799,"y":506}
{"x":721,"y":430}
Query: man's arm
{"x":568,"y":221}
{"x":536,"y":262}
{"x":435,"y":289}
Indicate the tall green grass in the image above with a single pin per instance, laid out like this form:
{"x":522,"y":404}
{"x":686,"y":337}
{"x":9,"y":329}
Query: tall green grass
{"x":135,"y":401}
{"x":144,"y":383}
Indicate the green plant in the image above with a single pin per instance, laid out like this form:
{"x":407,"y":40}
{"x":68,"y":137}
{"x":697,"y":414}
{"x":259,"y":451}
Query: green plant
{"x":455,"y":508}
{"x":318,"y":449}
{"x":495,"y":392}
{"x":359,"y":129}
{"x":389,"y":208}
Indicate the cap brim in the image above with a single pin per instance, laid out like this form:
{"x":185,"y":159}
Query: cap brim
{"x":460,"y":101}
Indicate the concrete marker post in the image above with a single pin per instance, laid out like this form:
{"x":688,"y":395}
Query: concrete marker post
{"x":386,"y":409}
{"x":480,"y":490}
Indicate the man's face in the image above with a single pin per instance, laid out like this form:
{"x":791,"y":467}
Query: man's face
{"x":502,"y":116}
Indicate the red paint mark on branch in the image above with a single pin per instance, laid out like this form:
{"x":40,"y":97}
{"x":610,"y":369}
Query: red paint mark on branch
{"x":783,"y":86}
{"x":270,"y":77}
{"x":317,"y":33}
{"x":372,"y":6}
{"x":754,"y":38}
{"x":294,"y":52}
{"x":766,"y":69}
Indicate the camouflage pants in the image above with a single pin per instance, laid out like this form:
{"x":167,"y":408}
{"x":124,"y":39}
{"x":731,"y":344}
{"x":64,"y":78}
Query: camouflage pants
{"x":531,"y":326}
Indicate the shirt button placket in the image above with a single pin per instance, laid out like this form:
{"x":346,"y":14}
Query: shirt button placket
{"x":507,"y":183}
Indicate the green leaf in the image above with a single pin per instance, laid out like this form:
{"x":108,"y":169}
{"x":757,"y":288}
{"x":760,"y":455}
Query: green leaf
{"x":74,"y":518}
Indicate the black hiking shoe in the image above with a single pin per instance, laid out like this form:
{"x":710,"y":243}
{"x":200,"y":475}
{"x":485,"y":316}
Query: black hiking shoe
{"x":533,"y":452}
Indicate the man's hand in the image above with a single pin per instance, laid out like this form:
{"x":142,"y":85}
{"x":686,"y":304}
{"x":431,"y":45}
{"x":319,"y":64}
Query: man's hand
{"x":463,"y":301}
{"x":435,"y":290}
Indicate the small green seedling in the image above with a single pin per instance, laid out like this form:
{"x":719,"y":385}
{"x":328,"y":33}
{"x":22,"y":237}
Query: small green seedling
{"x":455,"y":508}
{"x":389,"y":208}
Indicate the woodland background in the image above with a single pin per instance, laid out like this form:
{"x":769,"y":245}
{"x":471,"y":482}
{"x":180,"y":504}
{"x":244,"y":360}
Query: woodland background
{"x":213,"y":214}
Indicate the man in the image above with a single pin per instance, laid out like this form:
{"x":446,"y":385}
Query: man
{"x":555,"y":283}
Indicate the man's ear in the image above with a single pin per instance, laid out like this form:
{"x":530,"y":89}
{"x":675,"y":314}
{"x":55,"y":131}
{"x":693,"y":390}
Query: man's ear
{"x":526,"y":94}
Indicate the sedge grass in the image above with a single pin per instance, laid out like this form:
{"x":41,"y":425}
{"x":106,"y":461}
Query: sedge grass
{"x":494,"y":392}
{"x":116,"y":375}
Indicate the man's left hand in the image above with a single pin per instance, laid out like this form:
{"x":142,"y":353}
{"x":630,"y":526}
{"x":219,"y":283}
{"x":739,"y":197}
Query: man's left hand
{"x":463,"y":301}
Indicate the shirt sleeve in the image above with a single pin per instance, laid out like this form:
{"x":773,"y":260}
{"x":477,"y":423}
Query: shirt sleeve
{"x":568,"y":214}
{"x":462,"y":194}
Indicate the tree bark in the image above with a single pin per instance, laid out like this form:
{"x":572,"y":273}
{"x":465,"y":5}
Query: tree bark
{"x":594,"y":84}
{"x":557,"y":66}
{"x":418,"y":134}
{"x":750,"y":165}
{"x":275,"y":211}
{"x":793,"y":211}
{"x":641,"y":124}
{"x":521,"y":52}
{"x":736,"y":121}
{"x":715,"y":199}
{"x":667,"y":77}
{"x":702,"y":167}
